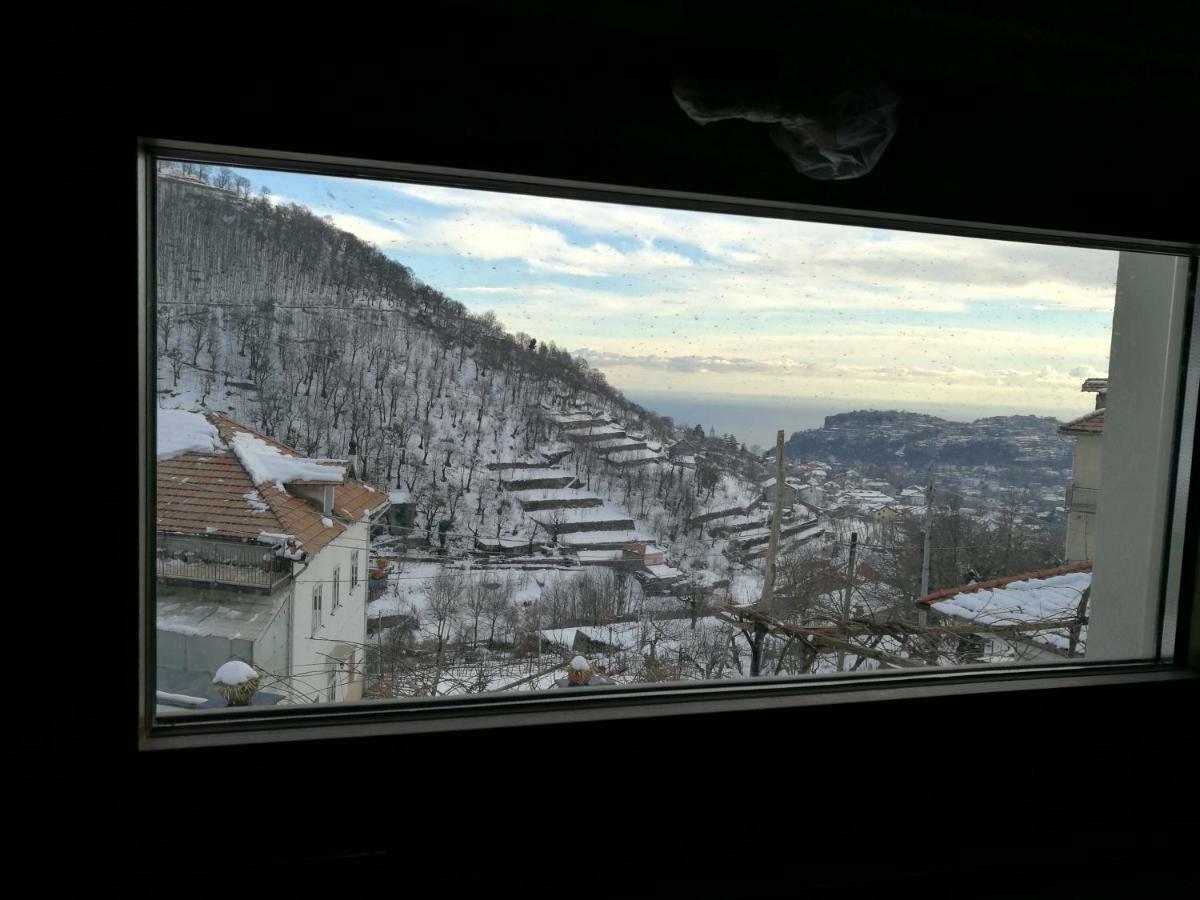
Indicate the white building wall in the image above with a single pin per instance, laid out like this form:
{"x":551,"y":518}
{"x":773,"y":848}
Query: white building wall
{"x":1085,"y":483}
{"x":346,"y":625}
{"x":271,"y":651}
{"x":1139,"y":431}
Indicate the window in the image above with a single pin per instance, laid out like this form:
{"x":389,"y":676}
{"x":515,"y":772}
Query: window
{"x":570,"y":419}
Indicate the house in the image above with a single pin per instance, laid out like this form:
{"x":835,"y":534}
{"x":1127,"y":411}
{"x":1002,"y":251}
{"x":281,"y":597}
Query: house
{"x":811,"y":495}
{"x":1049,"y":596}
{"x":1084,"y":492}
{"x":791,"y":490}
{"x":659,"y":578}
{"x":261,"y":555}
{"x":646,"y":554}
{"x":401,"y":513}
{"x":885,"y":514}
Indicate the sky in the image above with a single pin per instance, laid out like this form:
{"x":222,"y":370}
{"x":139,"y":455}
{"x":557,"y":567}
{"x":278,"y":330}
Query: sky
{"x":690,"y":305}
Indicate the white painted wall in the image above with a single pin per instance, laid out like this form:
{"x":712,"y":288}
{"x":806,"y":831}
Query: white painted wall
{"x":311,"y":663}
{"x":1139,"y":437}
{"x":1086,"y":474}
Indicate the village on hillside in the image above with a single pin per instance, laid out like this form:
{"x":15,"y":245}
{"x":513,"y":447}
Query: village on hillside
{"x":367,"y":492}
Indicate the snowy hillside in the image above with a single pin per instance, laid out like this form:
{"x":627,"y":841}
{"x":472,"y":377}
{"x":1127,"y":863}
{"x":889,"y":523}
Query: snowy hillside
{"x":535,"y":507}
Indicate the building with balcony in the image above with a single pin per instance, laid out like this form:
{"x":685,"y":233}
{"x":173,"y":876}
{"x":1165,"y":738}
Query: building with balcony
{"x":1084,"y":491}
{"x":261,"y":555}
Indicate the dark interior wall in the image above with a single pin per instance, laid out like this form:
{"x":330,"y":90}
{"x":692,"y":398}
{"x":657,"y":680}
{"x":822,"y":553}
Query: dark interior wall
{"x":1076,"y":122}
{"x":1069,"y":117}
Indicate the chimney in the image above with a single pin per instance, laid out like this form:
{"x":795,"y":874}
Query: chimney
{"x":1098,"y":386}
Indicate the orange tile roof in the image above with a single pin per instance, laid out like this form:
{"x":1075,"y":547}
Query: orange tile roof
{"x":936,"y":596}
{"x":199,"y":491}
{"x":1092,"y":423}
{"x":353,"y":499}
{"x":206,"y":494}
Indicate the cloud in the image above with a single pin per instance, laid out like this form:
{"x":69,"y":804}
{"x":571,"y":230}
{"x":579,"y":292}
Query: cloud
{"x":541,"y":248}
{"x":750,"y":304}
{"x":907,"y":267}
{"x":701,"y":364}
{"x":382,"y":236}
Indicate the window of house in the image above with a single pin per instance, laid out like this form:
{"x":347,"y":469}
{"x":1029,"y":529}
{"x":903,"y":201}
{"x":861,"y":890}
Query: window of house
{"x":556,"y":421}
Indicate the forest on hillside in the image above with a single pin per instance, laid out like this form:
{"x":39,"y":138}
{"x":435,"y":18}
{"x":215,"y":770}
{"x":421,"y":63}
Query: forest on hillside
{"x":302,"y":331}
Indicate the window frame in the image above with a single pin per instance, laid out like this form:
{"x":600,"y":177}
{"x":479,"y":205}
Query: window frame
{"x":244,"y":725}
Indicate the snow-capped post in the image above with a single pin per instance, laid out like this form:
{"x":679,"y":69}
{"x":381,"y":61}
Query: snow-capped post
{"x":846,"y":595}
{"x":768,"y":591}
{"x":922,"y":613}
{"x":236,"y":681}
{"x":579,"y":671}
{"x":580,"y":674}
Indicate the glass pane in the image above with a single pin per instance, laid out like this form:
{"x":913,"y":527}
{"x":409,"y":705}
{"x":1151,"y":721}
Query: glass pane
{"x":549,"y":427}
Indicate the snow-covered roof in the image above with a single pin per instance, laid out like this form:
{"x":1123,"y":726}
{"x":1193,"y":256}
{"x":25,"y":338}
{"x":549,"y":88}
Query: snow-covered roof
{"x":265,"y":462}
{"x":790,"y":482}
{"x":664,"y":572}
{"x":1051,"y":594}
{"x":212,"y":492}
{"x":180,"y":431}
{"x":600,"y":555}
{"x":222,"y":614}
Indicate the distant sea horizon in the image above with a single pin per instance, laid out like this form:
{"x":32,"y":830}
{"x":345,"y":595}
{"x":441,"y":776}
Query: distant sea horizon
{"x":754,"y":420}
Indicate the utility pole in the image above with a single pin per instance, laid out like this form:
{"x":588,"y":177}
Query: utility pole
{"x":922,"y":614}
{"x":768,"y":591}
{"x":846,"y":595}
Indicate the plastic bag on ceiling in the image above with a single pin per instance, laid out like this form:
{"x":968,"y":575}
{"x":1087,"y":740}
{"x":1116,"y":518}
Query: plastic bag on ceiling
{"x":834,"y":138}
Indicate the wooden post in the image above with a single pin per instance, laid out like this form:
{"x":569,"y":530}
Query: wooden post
{"x":922,"y":610}
{"x":846,"y":595}
{"x":768,"y":591}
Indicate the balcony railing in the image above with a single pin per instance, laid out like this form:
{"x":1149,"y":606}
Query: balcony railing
{"x":202,"y":561}
{"x":1082,"y":499}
